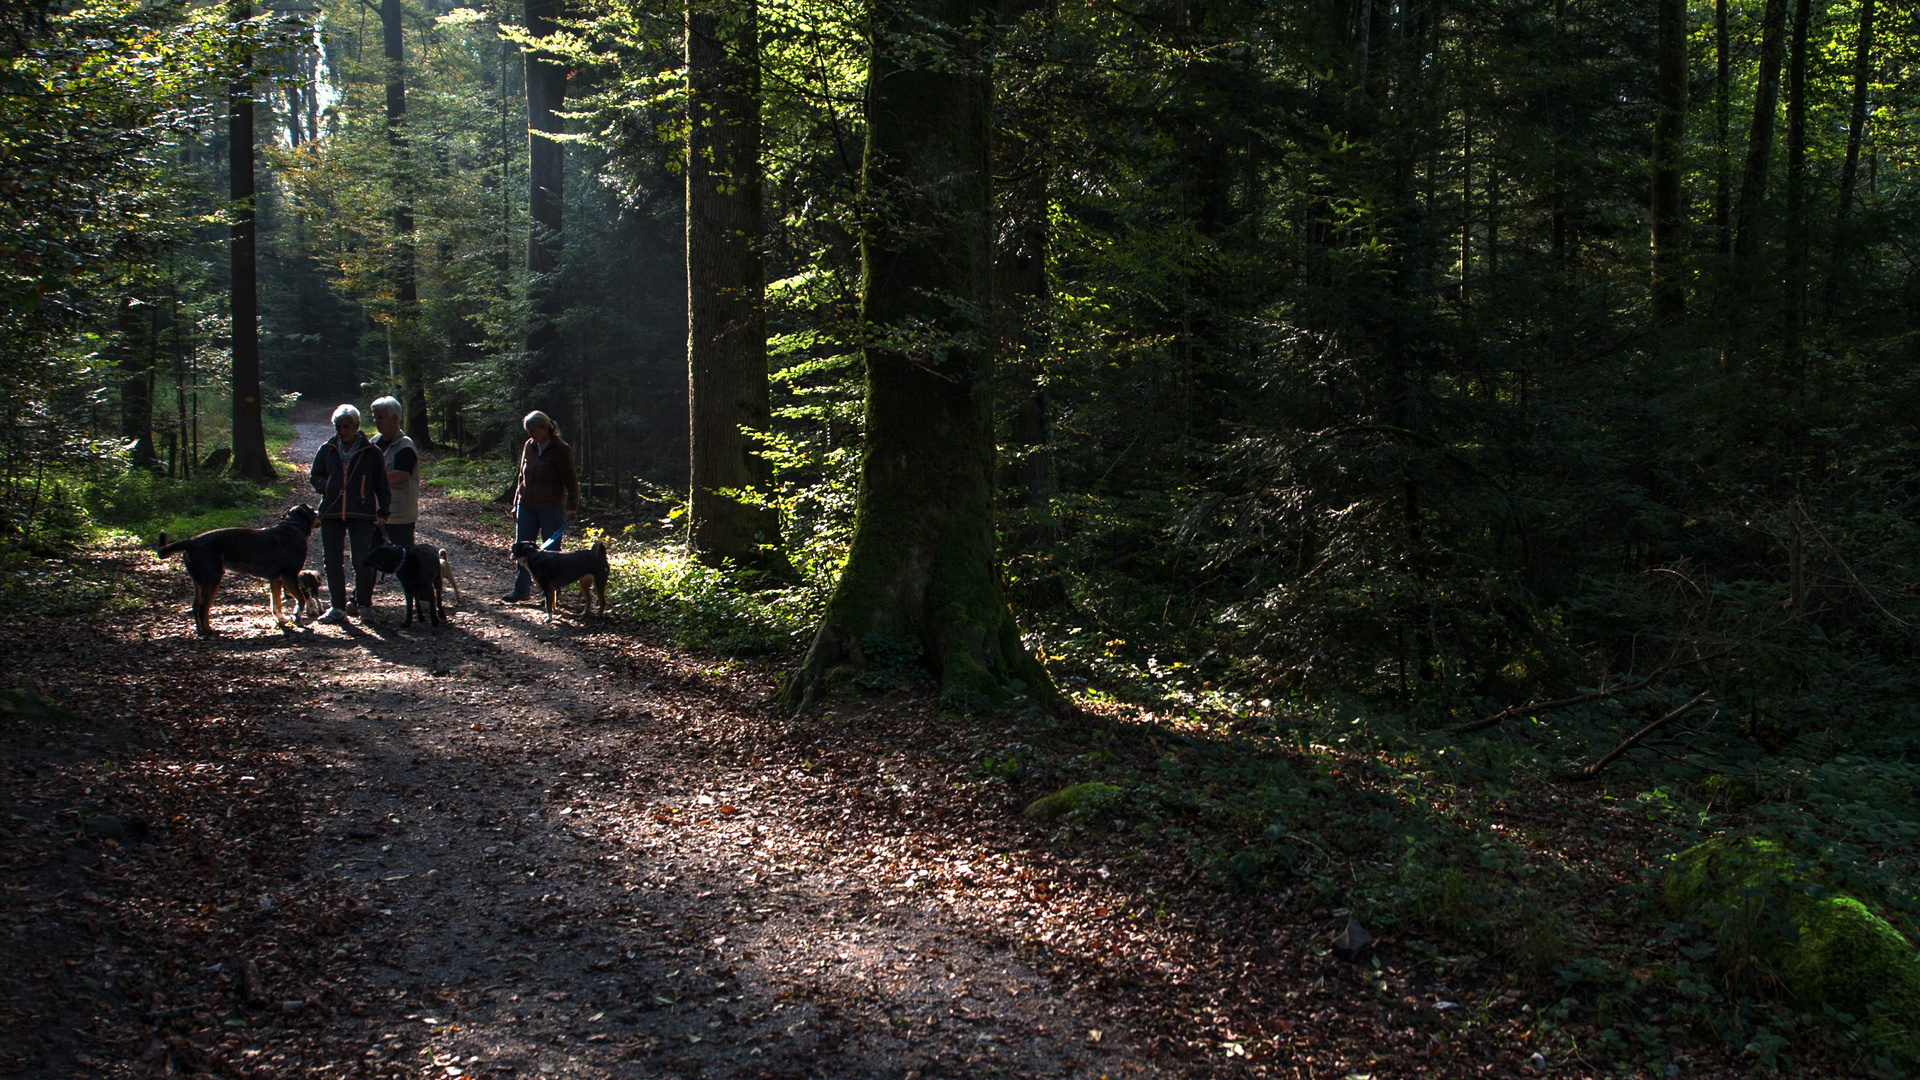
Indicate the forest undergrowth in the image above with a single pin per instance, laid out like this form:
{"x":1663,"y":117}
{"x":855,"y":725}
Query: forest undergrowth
{"x":1532,"y":846}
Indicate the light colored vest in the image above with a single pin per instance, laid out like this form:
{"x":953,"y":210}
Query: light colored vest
{"x":406,"y":497}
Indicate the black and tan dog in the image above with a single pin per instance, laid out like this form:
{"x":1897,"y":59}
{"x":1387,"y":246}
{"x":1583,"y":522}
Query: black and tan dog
{"x":555,"y":570}
{"x":418,"y":570}
{"x":308,"y":594}
{"x":277,"y":554}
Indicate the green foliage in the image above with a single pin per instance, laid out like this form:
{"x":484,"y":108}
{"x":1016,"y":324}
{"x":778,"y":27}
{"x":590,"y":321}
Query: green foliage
{"x":892,"y":660}
{"x":707,"y":608}
{"x":475,"y":479}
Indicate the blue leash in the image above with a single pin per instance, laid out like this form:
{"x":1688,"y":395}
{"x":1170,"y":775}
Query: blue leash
{"x":555,"y":538}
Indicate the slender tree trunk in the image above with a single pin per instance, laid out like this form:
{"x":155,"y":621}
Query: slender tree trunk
{"x":1362,"y":50}
{"x":1669,"y":139}
{"x":136,"y":387}
{"x":1019,"y":296}
{"x":923,"y":566}
{"x":1723,"y":113}
{"x":406,"y":295}
{"x":249,"y":427}
{"x":1794,"y":279}
{"x":546,"y":81}
{"x":1766,"y":102}
{"x":1850,"y":169}
{"x":727,"y":393}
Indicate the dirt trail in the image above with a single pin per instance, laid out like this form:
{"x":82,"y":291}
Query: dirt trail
{"x":565,"y":852}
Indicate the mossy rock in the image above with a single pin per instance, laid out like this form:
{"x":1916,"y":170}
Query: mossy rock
{"x":1078,"y":798}
{"x":26,"y":707}
{"x":1775,"y":922}
{"x":1848,"y":957}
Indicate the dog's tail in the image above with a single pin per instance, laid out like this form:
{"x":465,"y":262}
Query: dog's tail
{"x":164,"y":549}
{"x":600,"y":550}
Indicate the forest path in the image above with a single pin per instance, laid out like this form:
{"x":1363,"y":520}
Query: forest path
{"x":569,"y":852}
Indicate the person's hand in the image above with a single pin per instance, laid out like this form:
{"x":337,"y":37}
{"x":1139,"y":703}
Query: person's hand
{"x":380,"y":519}
{"x":572,"y":515}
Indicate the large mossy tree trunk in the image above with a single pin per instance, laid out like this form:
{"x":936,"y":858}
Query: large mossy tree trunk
{"x":727,"y":395}
{"x":923,"y":572}
{"x":249,"y":426}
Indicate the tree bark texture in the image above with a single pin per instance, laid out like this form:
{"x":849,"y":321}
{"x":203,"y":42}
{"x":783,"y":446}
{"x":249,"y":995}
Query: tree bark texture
{"x":1722,"y":108}
{"x":249,"y":428}
{"x":136,"y":392}
{"x":923,"y":574}
{"x":1669,"y":138}
{"x":727,"y":392}
{"x":406,"y":289}
{"x":1022,"y":169}
{"x":1850,"y":168}
{"x":546,"y":83}
{"x":1766,"y":102}
{"x":1794,"y":280}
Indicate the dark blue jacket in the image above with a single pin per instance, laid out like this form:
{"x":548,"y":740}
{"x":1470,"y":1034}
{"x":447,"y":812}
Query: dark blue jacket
{"x":351,"y":484}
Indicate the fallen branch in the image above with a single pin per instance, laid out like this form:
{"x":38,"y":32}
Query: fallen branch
{"x":1634,"y":740}
{"x":1512,"y":711}
{"x":1542,"y":706}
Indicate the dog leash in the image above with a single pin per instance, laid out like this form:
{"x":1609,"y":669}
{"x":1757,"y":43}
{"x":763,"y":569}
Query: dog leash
{"x":555,"y":538}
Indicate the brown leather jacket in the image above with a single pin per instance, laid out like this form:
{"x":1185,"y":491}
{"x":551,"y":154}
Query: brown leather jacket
{"x":547,"y":479}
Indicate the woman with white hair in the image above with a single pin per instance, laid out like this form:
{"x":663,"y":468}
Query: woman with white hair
{"x":547,"y":493}
{"x":403,"y":470}
{"x":351,"y":476}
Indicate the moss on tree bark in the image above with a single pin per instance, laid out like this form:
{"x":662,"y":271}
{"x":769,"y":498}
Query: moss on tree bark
{"x":924,"y":564}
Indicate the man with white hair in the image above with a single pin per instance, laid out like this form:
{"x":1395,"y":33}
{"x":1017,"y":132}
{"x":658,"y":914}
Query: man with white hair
{"x":351,"y":477}
{"x":403,"y":470}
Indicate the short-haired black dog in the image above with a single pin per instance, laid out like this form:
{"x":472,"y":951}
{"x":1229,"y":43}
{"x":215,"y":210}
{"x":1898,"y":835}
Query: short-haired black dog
{"x":555,"y":570}
{"x":277,"y":554}
{"x":418,"y":571}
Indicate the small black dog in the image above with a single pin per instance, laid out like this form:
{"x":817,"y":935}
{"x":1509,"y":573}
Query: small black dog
{"x":418,"y":570}
{"x":555,"y":570}
{"x":277,"y":554}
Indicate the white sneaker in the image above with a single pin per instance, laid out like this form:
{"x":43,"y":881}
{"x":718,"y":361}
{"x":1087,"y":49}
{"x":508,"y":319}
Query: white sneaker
{"x":333,"y":615}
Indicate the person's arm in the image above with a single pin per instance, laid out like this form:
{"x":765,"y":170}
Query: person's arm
{"x":317,"y":475}
{"x":571,"y":478}
{"x":519,"y":480}
{"x":382,"y":491}
{"x":404,"y":463}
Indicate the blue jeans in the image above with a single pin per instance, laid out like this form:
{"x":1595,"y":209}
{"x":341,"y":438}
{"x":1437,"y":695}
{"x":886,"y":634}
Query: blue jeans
{"x":534,"y":524}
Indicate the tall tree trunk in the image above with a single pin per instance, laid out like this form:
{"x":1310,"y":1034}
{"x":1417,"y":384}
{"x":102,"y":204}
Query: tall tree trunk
{"x":1022,"y":169}
{"x":1850,"y":169}
{"x":546,"y":81}
{"x":1766,"y":102}
{"x":405,"y":322}
{"x":726,"y":284}
{"x":1722,"y":118}
{"x":249,"y":427}
{"x":136,"y":388}
{"x":1794,"y":279}
{"x":1669,"y":138}
{"x":923,"y":568}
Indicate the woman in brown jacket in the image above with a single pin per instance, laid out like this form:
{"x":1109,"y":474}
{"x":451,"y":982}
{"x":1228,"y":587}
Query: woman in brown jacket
{"x":547,"y":494}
